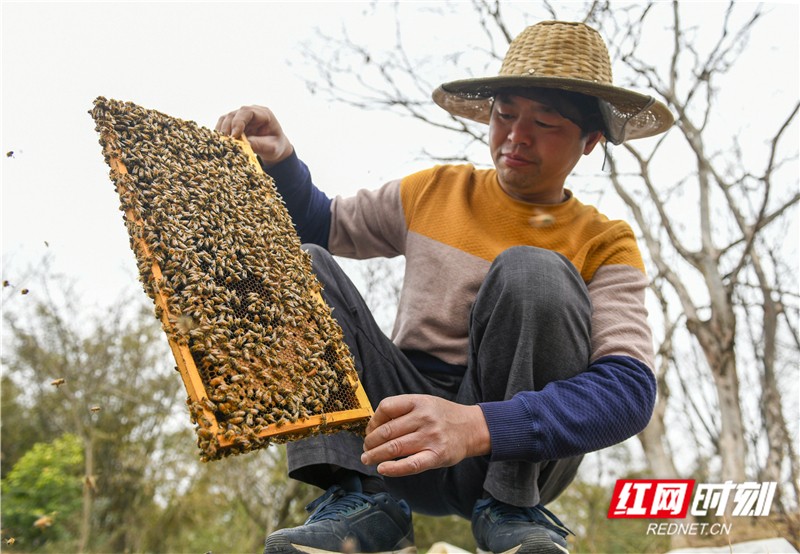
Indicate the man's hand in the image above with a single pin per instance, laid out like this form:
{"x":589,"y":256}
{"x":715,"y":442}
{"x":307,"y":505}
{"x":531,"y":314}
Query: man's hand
{"x":262,"y":130}
{"x":425,"y":432}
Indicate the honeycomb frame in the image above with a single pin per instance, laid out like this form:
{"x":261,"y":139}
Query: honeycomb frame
{"x":237,"y":314}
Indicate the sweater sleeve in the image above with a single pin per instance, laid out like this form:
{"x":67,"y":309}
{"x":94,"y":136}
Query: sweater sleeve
{"x":369,"y":224}
{"x":308,"y":206}
{"x":610,"y":402}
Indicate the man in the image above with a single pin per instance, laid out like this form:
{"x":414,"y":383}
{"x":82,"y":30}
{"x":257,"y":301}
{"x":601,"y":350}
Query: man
{"x":521,"y":340}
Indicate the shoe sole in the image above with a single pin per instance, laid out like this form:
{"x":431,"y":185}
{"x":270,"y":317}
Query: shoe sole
{"x":310,"y":550}
{"x":285,"y":547}
{"x":532,"y":545}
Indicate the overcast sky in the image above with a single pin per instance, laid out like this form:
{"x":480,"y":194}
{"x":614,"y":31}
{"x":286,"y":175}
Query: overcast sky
{"x":190,"y":60}
{"x":194,"y":61}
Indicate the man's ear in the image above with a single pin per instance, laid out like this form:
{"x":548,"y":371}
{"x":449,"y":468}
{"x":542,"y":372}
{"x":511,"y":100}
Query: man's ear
{"x":591,"y":141}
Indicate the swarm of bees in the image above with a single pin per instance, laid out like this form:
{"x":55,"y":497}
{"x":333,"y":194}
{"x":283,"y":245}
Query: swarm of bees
{"x":218,"y":253}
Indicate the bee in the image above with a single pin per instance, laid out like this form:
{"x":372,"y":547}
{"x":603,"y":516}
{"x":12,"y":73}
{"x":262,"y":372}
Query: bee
{"x":209,"y":404}
{"x":542,"y":219}
{"x":205,"y":433}
{"x":91,"y":482}
{"x":24,"y":291}
{"x":243,"y":443}
{"x":6,"y":283}
{"x":58,"y":382}
{"x":43,"y":522}
{"x":94,"y":409}
{"x":10,"y":541}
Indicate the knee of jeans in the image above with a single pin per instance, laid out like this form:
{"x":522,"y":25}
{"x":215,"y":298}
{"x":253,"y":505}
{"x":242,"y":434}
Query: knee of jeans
{"x":314,"y":249}
{"x":318,"y":253}
{"x":323,"y":264}
{"x":526,"y":269}
{"x":521,"y":262}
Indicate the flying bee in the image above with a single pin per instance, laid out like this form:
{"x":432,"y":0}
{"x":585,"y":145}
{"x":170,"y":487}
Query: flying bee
{"x":43,"y":522}
{"x":94,"y":409}
{"x":541,"y":219}
{"x":57,"y":382}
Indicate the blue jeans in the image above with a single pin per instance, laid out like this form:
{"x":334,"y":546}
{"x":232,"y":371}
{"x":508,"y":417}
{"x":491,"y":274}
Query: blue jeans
{"x":530,"y":324}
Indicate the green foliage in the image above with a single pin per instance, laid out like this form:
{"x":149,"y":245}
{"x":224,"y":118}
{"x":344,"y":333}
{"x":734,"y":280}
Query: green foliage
{"x":46,"y":482}
{"x":20,"y":427}
{"x":119,"y":396}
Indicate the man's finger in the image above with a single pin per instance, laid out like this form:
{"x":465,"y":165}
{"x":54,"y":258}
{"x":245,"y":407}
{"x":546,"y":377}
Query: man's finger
{"x":240,"y":121}
{"x":389,"y":409}
{"x":391,"y":429}
{"x":220,"y":126}
{"x":391,"y":450}
{"x":417,"y":463}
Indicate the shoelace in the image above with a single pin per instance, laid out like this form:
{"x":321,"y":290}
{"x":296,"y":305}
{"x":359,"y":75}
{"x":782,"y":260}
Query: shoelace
{"x":538,"y":514}
{"x":335,"y":503}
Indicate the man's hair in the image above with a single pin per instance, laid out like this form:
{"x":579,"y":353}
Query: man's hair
{"x":582,"y":109}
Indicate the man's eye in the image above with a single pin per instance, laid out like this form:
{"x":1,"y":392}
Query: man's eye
{"x":505,"y":116}
{"x":544,"y":125}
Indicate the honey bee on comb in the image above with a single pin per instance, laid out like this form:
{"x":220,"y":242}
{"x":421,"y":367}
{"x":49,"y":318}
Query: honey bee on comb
{"x":260,"y":355}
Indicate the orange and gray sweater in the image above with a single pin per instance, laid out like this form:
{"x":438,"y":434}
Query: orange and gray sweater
{"x":450,"y":222}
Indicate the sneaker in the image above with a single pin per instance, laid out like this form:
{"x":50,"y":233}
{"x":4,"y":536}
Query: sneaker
{"x":349,"y":522}
{"x":504,"y":529}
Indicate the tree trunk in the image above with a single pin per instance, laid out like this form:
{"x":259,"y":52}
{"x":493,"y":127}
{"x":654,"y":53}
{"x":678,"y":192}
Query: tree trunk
{"x":88,"y":482}
{"x":719,"y":352}
{"x":658,"y":454}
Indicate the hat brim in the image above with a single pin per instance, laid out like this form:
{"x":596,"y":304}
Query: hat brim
{"x":641,"y":115}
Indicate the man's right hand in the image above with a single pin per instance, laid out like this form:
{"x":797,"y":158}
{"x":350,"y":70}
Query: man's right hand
{"x":262,"y":130}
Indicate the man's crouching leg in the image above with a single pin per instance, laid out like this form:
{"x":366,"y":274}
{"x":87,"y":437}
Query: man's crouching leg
{"x":531,"y":325}
{"x":355,"y":513}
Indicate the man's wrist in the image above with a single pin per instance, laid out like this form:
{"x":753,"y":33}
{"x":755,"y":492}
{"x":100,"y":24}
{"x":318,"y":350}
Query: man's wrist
{"x":282,"y":158}
{"x":481,"y":443}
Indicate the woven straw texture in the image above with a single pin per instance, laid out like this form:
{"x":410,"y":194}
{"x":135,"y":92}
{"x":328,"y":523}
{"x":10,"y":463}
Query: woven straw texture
{"x":567,"y":56}
{"x":564,"y":50}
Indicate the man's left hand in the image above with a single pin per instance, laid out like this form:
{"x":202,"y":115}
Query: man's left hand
{"x":412,"y":433}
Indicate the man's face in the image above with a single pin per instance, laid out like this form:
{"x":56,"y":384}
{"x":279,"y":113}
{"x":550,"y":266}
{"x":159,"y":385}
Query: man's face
{"x":534,"y":148}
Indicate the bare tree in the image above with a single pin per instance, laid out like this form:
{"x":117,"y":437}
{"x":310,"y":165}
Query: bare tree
{"x":715,"y":272}
{"x":731,"y":262}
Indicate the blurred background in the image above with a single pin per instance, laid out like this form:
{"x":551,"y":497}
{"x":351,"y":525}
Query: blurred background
{"x":106,"y":461}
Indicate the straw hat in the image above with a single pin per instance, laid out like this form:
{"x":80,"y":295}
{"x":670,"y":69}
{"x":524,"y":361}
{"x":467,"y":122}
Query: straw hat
{"x":566,"y":56}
